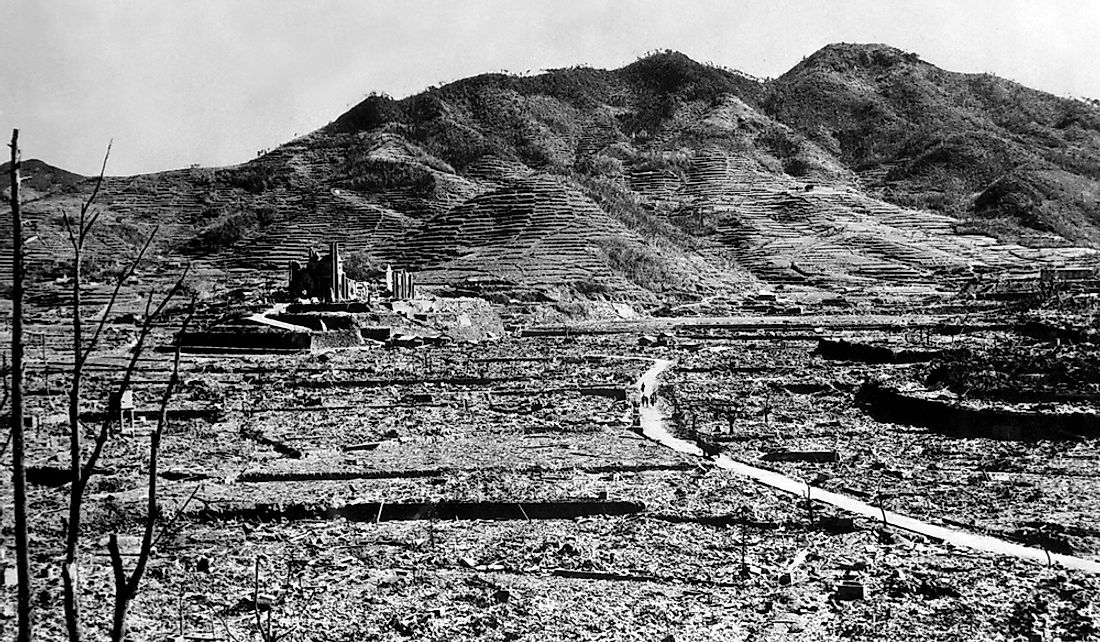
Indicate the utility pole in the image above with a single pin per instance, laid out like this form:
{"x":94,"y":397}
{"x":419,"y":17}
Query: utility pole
{"x":19,"y":479}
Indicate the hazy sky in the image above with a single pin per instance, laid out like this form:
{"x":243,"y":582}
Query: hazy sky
{"x":177,"y":82}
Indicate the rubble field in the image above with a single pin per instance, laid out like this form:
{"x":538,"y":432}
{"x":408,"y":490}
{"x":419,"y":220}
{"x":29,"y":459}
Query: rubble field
{"x":503,"y":491}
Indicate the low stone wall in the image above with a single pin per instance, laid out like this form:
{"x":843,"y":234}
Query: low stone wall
{"x":841,"y":350}
{"x":955,"y":419}
{"x":257,"y":339}
{"x":350,"y":338}
{"x":319,"y":322}
{"x":252,"y":339}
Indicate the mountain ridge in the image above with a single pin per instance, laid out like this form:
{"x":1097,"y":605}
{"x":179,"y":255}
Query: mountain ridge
{"x":861,"y":165}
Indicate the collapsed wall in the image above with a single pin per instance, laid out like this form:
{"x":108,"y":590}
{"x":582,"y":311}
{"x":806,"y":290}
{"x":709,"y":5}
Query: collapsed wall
{"x":459,"y":319}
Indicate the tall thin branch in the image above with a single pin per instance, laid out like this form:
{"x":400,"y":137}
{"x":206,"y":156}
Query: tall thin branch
{"x":69,"y":571}
{"x":143,"y":334}
{"x":131,"y":268}
{"x":179,"y":512}
{"x":68,"y":223}
{"x":126,"y":588}
{"x":87,"y":225}
{"x":19,"y":478}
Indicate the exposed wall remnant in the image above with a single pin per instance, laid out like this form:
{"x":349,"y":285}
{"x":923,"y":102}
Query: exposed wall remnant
{"x":400,"y":284}
{"x":399,"y":511}
{"x":1066,"y":274}
{"x":323,"y":278}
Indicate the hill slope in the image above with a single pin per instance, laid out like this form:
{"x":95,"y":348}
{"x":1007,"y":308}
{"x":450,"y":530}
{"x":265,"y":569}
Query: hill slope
{"x":966,"y":144}
{"x":665,"y":179}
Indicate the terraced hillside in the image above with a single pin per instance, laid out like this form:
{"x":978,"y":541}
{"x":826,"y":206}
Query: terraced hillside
{"x":928,"y":137}
{"x":665,"y":179}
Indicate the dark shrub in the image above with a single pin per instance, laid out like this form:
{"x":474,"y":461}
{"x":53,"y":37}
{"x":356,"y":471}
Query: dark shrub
{"x":229,"y":229}
{"x":361,"y":266}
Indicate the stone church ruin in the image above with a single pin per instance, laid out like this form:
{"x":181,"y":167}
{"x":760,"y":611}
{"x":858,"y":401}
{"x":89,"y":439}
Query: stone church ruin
{"x":329,"y":310}
{"x":324,"y":278}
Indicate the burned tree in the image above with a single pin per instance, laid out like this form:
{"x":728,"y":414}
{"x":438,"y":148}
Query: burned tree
{"x":81,"y":470}
{"x":126,"y":587}
{"x":19,"y":478}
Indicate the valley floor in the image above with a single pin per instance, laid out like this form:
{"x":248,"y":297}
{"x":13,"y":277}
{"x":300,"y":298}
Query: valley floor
{"x":503,"y":491}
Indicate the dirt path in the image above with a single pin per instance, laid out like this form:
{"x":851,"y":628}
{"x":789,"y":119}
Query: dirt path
{"x":651,"y":421}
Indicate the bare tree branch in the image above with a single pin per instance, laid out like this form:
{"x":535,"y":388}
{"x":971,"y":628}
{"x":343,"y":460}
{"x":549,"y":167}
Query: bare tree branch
{"x":126,"y":588}
{"x":179,"y":512}
{"x":67,"y":221}
{"x":154,"y":450}
{"x":86,"y":226}
{"x":146,"y":328}
{"x":114,"y":297}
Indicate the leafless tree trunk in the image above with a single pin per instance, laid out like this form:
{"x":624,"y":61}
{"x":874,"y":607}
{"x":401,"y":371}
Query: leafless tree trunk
{"x":81,"y":471}
{"x":70,"y":569}
{"x":19,"y":479}
{"x":5,"y":389}
{"x":126,"y":587}
{"x":86,"y":469}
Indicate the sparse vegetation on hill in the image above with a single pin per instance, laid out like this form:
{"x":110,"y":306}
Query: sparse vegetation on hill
{"x":372,"y":175}
{"x":940,"y":133}
{"x":361,"y":265}
{"x":705,"y":166}
{"x":640,"y":264}
{"x":228,"y":228}
{"x":376,"y":110}
{"x":251,"y":177}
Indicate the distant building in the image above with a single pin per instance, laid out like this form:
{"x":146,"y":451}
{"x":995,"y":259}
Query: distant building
{"x":322,"y":277}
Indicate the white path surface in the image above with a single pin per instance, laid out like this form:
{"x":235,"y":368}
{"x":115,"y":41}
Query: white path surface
{"x":651,"y":420}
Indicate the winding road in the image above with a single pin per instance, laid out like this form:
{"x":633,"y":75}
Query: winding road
{"x":652,"y":424}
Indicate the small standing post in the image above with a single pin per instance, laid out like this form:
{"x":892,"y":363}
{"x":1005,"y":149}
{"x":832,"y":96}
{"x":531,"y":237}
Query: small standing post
{"x":126,"y":408}
{"x":123,"y":403}
{"x":46,"y":367}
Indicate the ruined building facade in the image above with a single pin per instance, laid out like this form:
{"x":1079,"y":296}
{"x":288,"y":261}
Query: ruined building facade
{"x":400,"y":284}
{"x":322,"y":277}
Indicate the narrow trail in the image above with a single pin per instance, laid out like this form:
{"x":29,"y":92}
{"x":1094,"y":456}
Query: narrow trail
{"x":652,"y":424}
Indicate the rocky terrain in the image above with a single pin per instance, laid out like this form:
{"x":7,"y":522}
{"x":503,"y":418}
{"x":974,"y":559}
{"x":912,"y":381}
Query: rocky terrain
{"x":503,"y":491}
{"x":805,"y":358}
